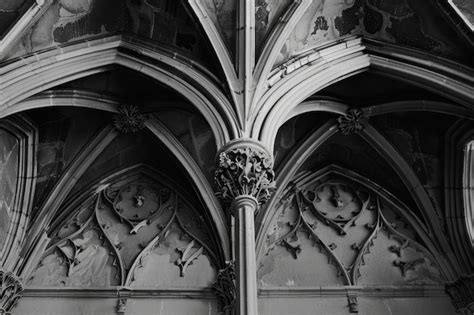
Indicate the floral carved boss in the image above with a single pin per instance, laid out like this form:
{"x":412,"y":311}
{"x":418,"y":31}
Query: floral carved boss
{"x":353,"y":122}
{"x":244,"y":170}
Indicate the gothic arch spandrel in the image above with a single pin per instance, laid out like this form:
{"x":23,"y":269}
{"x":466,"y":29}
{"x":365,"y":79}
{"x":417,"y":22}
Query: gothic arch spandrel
{"x":135,"y":230}
{"x":337,"y":228}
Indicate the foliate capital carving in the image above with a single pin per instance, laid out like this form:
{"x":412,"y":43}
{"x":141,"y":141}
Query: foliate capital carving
{"x":353,"y":122}
{"x":244,"y":168}
{"x":10,"y":289}
{"x":462,"y":293}
{"x":129,"y":119}
{"x":224,"y":287}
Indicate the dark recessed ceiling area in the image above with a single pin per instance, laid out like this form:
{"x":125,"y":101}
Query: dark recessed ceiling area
{"x":369,"y":88}
{"x":131,"y":87}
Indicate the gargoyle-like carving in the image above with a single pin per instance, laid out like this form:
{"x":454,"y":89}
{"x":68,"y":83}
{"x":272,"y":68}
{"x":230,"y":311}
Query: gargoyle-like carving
{"x":10,"y":289}
{"x":121,"y":306}
{"x":129,"y":119}
{"x":353,"y":122}
{"x":353,"y":303}
{"x":245,"y":171}
{"x":462,"y":293}
{"x":224,"y":287}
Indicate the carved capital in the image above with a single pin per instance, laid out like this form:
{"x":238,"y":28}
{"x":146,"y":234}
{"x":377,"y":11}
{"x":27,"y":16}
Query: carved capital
{"x":244,"y":167}
{"x":224,"y":287}
{"x":353,"y":122}
{"x":11,"y":288}
{"x":129,"y":119}
{"x":462,"y":293}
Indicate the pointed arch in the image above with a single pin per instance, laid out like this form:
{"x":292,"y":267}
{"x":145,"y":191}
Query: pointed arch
{"x":38,"y":236}
{"x":64,"y":64}
{"x":408,"y":176}
{"x":25,"y":134}
{"x":301,"y":77}
{"x":458,"y":155}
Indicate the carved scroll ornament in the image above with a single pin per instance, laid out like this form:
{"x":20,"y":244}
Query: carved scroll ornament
{"x":10,"y":291}
{"x":245,"y":171}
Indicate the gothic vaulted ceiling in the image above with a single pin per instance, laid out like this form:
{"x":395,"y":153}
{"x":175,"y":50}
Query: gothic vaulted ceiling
{"x":369,"y":99}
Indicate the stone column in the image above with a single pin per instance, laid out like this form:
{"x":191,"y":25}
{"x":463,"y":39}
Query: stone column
{"x":245,"y":179}
{"x":10,"y":289}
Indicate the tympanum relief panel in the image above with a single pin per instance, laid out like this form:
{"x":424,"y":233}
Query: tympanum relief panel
{"x":137,"y":233}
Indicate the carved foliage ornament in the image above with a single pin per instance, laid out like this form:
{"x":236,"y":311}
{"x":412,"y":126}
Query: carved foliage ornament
{"x":245,"y":171}
{"x":462,"y":292}
{"x":224,"y":287}
{"x":10,"y":291}
{"x":129,"y":119}
{"x":353,"y":122}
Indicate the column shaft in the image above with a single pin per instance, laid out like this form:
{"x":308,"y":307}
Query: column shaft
{"x":245,"y":260}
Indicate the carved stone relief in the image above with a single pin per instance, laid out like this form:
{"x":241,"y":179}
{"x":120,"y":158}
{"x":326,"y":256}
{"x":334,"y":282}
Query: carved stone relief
{"x":353,"y":122}
{"x":245,"y":171}
{"x":129,"y":119}
{"x":10,"y":289}
{"x":363,"y":236}
{"x":136,"y":233}
{"x":224,"y":287}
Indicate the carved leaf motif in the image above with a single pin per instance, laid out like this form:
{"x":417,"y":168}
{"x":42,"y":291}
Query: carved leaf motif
{"x":187,"y":257}
{"x":244,"y":171}
{"x":224,"y":287}
{"x":129,"y":119}
{"x":10,"y":289}
{"x":410,"y":265}
{"x":353,"y":122}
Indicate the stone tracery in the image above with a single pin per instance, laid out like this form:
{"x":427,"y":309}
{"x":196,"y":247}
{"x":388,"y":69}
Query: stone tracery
{"x":126,"y":228}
